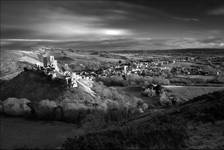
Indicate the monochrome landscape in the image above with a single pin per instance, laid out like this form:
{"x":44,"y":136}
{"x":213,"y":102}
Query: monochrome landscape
{"x":103,"y":74}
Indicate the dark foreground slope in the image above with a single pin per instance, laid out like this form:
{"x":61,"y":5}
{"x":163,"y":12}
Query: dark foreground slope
{"x":198,"y":124}
{"x":205,"y":108}
{"x":33,"y":86}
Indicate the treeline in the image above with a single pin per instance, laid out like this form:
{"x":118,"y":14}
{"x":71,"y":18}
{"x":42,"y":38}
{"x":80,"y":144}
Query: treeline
{"x":132,"y":80}
{"x":176,"y":51}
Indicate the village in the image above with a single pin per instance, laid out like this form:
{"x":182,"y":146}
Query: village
{"x":161,"y":67}
{"x":166,"y":67}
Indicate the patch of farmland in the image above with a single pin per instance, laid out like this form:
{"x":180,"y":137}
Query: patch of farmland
{"x":189,"y":92}
{"x":210,"y":77}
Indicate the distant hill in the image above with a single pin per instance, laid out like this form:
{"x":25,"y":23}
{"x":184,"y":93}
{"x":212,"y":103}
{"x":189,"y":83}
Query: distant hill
{"x":213,"y":51}
{"x":13,"y":61}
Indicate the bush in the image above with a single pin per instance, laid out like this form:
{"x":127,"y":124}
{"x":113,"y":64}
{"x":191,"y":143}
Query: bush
{"x":132,"y":80}
{"x":113,"y":94}
{"x":160,"y":81}
{"x":112,"y":81}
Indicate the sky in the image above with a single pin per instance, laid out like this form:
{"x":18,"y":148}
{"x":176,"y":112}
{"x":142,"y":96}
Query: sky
{"x":112,"y":25}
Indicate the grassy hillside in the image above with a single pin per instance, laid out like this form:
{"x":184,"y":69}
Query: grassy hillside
{"x":168,"y":129}
{"x":190,"y":92}
{"x":33,"y":86}
{"x":205,"y":108}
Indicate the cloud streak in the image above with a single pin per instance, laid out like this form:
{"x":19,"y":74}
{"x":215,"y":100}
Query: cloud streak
{"x":61,"y":23}
{"x":186,"y":19}
{"x":108,"y":24}
{"x":217,"y":11}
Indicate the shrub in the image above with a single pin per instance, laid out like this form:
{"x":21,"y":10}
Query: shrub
{"x":132,"y":80}
{"x":112,"y":81}
{"x":160,"y":80}
{"x":113,"y":94}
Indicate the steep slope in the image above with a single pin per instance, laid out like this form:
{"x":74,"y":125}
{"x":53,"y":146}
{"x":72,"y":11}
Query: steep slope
{"x":13,"y":61}
{"x":33,"y":86}
{"x":206,"y":108}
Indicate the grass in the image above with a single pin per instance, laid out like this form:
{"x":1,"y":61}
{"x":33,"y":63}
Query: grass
{"x":33,"y":86}
{"x":207,"y":136}
{"x":190,"y":92}
{"x":161,"y":133}
{"x":205,"y":108}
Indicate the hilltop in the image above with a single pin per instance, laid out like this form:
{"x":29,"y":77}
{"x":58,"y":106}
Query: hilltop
{"x":34,"y":94}
{"x":33,"y":86}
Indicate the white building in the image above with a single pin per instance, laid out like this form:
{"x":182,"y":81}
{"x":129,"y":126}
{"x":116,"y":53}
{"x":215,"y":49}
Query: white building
{"x":125,"y":69}
{"x":55,"y":65}
{"x":51,"y":59}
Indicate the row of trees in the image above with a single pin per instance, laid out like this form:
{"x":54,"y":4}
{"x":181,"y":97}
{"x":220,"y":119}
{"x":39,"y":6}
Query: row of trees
{"x":133,"y":80}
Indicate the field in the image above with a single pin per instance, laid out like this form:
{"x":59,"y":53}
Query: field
{"x":189,"y":92}
{"x":183,"y":92}
{"x":197,"y":77}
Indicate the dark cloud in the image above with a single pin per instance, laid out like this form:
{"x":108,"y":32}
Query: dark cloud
{"x":112,"y":24}
{"x":190,"y":8}
{"x":212,"y":39}
{"x":217,"y":11}
{"x":186,"y":19}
